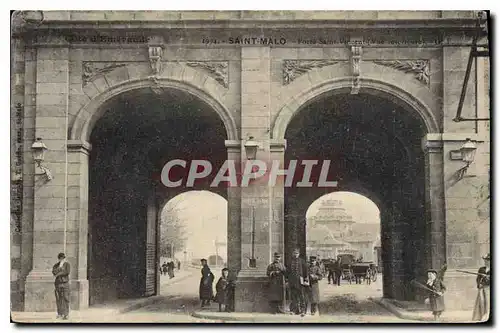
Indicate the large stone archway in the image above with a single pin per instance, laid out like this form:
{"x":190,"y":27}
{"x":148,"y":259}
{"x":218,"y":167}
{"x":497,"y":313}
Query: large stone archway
{"x":401,"y":209}
{"x":79,"y":153}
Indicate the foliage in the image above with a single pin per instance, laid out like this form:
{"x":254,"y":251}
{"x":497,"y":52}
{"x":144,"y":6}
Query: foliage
{"x":172,"y":231}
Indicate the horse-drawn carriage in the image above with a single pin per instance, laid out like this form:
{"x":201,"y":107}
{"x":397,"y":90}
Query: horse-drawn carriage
{"x":355,"y":270}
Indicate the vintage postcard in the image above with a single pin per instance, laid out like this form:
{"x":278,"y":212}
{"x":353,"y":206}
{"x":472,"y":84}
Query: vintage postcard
{"x":250,"y":166}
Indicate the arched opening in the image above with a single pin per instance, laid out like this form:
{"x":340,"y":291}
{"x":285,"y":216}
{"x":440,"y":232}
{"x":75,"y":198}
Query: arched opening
{"x":138,"y":133}
{"x":374,"y":145}
{"x":343,"y":233}
{"x":192,"y":226}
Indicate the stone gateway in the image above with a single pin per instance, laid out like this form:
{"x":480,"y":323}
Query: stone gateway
{"x":114,"y":96}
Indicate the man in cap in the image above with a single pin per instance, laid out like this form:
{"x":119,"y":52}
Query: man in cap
{"x":276,"y":272}
{"x":61,"y":273}
{"x":315,"y":274}
{"x":297,"y":280}
{"x":482,"y":306}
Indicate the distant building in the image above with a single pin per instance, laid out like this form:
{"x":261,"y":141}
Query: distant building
{"x":332,"y":231}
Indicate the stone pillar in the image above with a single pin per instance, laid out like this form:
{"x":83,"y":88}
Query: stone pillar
{"x":277,"y":200}
{"x":251,"y":292}
{"x":234,"y":213}
{"x":435,"y":204}
{"x":50,"y":229}
{"x":459,"y":200}
{"x":77,"y":217}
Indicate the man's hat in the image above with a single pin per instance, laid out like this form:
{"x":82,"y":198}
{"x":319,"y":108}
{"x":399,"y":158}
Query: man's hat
{"x":202,"y":260}
{"x":488,"y":257}
{"x":61,"y":256}
{"x":312,"y":258}
{"x":432,"y":270}
{"x":277,"y":255}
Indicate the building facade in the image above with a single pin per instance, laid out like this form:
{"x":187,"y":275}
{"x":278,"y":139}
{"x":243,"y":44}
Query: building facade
{"x":115,"y":95}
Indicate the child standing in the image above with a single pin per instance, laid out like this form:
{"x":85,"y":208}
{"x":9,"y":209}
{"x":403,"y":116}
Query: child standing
{"x":222,"y":290}
{"x":436,"y":298}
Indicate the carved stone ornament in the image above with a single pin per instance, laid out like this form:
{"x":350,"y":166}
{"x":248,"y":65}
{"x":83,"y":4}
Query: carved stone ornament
{"x":420,"y":68}
{"x":216,"y":69}
{"x":91,"y":71}
{"x":155,"y":55}
{"x":356,"y":52}
{"x":292,"y":69}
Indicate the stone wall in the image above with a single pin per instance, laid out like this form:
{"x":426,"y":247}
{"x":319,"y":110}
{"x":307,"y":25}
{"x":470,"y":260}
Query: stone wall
{"x":63,"y":90}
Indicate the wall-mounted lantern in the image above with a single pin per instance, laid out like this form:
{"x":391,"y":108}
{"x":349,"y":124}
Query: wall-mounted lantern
{"x":38,"y":148}
{"x":468,"y":151}
{"x":251,"y":147}
{"x":466,"y":154}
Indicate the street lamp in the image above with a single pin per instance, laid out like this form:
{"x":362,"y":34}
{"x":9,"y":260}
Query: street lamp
{"x":468,"y":151}
{"x":38,"y":149}
{"x":251,"y":148}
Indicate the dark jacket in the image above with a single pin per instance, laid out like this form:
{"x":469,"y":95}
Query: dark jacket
{"x":206,"y":281}
{"x":436,"y":301}
{"x":481,"y":280}
{"x":61,"y":273}
{"x":222,"y":290}
{"x":297,"y":269}
{"x":277,"y":274}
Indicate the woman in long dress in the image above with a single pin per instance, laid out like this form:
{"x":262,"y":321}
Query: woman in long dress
{"x":206,"y":281}
{"x":482,"y":306}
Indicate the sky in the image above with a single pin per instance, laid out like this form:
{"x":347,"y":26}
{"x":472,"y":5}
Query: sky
{"x":205,"y":214}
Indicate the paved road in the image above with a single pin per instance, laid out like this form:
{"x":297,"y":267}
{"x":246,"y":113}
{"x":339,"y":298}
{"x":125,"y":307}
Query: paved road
{"x":347,"y":303}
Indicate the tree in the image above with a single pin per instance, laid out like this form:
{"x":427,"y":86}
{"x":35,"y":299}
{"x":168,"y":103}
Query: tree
{"x":172,"y":231}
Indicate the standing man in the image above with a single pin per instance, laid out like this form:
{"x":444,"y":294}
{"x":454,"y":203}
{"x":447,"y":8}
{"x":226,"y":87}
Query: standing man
{"x":482,"y":306}
{"x":206,"y":281}
{"x":337,"y":267}
{"x":164,"y":268}
{"x":61,"y":273}
{"x":297,"y":279}
{"x":315,"y":274}
{"x":276,"y":272}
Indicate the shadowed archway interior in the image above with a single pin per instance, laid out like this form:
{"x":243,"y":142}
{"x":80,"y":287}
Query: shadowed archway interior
{"x":375,"y":143}
{"x":139,"y":132}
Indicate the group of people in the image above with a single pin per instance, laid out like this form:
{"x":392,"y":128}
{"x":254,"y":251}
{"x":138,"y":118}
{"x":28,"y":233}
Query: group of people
{"x":301,"y":280}
{"x":224,"y":288}
{"x":169,"y":268}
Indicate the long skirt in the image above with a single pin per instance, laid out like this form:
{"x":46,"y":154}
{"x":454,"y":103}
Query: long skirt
{"x":482,"y":306}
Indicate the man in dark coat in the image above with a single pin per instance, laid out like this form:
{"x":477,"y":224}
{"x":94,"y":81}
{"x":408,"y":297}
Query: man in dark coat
{"x":206,"y":281}
{"x":315,"y":274}
{"x":297,"y":280}
{"x":331,"y":271}
{"x":482,"y":306}
{"x":276,"y":272}
{"x":61,"y":272}
{"x":164,"y":268}
{"x":337,"y":268}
